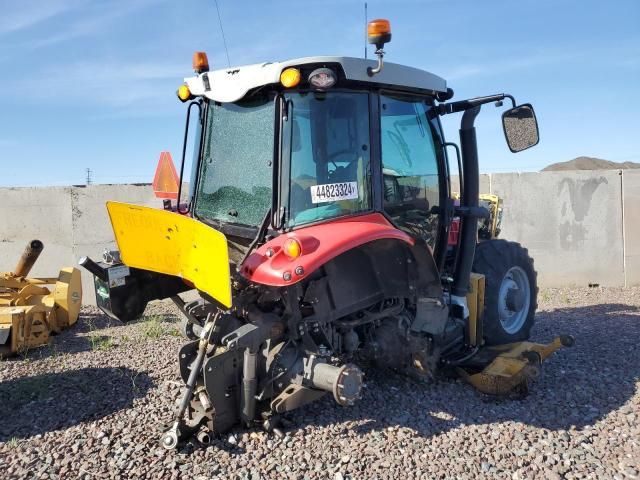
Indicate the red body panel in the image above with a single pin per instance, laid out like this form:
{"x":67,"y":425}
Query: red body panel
{"x":320,"y":243}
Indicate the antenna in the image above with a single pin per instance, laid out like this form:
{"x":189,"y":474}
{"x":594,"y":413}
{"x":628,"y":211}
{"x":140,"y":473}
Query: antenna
{"x":89,"y":182}
{"x":224,"y":40}
{"x":365,"y":30}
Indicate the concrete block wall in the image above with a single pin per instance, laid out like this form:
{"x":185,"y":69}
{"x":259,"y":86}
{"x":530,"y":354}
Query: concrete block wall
{"x":581,"y":227}
{"x":71,"y":222}
{"x":631,"y":213}
{"x":570,"y":222}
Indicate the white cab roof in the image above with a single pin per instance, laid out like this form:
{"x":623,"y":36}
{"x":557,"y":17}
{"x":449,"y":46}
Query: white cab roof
{"x":231,"y":84}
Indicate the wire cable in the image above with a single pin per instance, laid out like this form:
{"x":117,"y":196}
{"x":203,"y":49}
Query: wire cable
{"x":224,"y":40}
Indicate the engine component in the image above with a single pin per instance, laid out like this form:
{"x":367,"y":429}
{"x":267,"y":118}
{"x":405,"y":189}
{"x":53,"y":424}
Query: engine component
{"x":344,"y":382}
{"x":350,"y":341}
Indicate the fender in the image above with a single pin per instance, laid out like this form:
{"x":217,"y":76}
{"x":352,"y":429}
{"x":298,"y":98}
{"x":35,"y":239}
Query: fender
{"x":268,"y":265}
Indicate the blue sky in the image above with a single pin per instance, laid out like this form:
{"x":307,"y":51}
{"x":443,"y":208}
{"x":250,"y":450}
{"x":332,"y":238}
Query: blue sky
{"x":91,"y":84}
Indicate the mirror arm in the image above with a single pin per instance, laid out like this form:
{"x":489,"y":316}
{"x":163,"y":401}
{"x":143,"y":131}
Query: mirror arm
{"x":184,"y":152}
{"x":459,"y":159}
{"x":463,"y":105}
{"x":513,"y":100}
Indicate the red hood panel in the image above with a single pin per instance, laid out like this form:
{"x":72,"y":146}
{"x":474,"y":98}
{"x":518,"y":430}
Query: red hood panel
{"x":320,"y":243}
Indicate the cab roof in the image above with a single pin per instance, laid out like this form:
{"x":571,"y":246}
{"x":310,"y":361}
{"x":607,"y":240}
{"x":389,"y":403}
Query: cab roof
{"x":231,"y":84}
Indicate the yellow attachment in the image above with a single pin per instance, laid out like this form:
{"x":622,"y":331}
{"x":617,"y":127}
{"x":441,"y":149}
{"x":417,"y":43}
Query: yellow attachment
{"x":174,"y":244}
{"x":30,"y":311}
{"x":475,"y":302}
{"x":24,"y":327}
{"x":67,"y":296}
{"x":495,"y":207}
{"x":514,"y":367}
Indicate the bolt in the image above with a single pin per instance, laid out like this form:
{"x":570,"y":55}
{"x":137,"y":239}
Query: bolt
{"x":286,"y":276}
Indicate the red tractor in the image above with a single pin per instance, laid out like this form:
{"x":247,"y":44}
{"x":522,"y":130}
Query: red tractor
{"x":315,"y":231}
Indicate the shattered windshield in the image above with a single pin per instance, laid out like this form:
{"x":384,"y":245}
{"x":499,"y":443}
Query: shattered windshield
{"x":330,"y":155}
{"x":235,"y":174}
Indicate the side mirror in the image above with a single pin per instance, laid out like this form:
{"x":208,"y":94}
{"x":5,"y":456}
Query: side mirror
{"x":520,"y":127}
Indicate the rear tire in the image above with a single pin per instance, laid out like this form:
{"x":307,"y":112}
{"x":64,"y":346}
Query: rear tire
{"x":511,"y":291}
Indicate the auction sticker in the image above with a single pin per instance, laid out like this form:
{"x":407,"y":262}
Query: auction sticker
{"x":332,"y":192}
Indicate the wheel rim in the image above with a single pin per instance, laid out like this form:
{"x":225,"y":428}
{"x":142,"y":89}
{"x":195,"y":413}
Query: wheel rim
{"x":514,"y":300}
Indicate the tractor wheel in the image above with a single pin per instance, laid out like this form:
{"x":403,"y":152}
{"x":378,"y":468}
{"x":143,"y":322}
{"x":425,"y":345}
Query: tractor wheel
{"x":511,"y":290}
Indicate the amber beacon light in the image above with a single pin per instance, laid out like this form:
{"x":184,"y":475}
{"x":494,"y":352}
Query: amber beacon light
{"x":200,"y":62}
{"x":379,"y":32}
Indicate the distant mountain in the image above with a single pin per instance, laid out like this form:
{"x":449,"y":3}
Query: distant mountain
{"x":589,"y":163}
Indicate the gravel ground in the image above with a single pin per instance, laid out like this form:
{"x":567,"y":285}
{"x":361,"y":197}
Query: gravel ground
{"x":93,"y":404}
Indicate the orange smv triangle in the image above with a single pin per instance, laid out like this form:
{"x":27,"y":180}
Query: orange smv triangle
{"x":165,"y":181}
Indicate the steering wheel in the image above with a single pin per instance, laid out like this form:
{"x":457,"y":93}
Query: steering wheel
{"x":341,"y":152}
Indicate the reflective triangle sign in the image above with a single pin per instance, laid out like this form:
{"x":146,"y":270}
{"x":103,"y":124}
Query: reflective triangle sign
{"x":165,"y":181}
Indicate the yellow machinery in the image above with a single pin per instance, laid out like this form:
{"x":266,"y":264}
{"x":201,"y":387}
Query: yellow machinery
{"x":489,"y":227}
{"x":29,"y":310}
{"x":503,"y":370}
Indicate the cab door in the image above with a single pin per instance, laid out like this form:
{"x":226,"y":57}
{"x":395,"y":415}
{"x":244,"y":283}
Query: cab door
{"x":410,"y":153}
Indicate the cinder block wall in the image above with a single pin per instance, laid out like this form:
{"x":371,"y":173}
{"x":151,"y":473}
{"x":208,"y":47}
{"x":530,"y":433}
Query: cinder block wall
{"x":580,"y":227}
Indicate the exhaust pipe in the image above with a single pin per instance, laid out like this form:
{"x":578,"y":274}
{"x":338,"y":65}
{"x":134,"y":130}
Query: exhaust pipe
{"x":469,"y":203}
{"x":28,"y":258}
{"x":93,"y":268}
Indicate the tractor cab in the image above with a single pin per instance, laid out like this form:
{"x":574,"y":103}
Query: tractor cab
{"x":316,"y":232}
{"x":323,"y":140}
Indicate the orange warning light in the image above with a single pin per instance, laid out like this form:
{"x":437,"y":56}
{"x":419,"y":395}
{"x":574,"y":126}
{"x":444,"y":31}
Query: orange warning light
{"x":165,"y":181}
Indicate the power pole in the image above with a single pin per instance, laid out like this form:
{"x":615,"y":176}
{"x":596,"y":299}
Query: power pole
{"x":89,"y":182}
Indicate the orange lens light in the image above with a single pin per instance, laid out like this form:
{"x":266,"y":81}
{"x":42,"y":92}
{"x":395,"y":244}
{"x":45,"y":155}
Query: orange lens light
{"x":379,"y":32}
{"x":290,"y":77}
{"x":184,"y":93}
{"x":379,"y":26}
{"x":292,"y":248}
{"x":200,"y":62}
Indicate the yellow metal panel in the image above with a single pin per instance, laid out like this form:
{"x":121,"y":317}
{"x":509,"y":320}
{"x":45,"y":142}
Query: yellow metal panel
{"x":174,"y":244}
{"x":472,"y":304}
{"x":67,"y":296}
{"x":475,"y":303}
